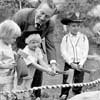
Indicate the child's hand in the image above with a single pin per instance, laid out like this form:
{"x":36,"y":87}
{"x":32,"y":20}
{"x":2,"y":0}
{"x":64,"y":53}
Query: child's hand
{"x":10,"y":65}
{"x":55,"y":68}
{"x":74,"y":66}
{"x":21,"y":53}
{"x":51,"y":72}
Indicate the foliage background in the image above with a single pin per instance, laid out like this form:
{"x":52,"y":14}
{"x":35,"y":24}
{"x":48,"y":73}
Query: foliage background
{"x":9,"y":7}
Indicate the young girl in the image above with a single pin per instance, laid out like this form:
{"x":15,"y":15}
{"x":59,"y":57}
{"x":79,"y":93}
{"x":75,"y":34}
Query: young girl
{"x":32,"y":55}
{"x":9,"y":31}
{"x":34,"y":59}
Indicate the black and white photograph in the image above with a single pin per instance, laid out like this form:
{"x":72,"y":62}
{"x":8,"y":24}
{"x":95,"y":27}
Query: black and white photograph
{"x":49,"y":49}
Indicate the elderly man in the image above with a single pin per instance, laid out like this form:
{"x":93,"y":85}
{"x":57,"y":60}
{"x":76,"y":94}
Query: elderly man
{"x":30,"y":19}
{"x":74,"y":50}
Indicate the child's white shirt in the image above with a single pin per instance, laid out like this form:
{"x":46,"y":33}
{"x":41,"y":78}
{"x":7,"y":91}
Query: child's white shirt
{"x":75,"y":48}
{"x":33,"y":56}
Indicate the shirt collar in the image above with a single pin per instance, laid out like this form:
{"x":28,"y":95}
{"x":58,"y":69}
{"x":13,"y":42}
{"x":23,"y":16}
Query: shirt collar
{"x":78,"y":34}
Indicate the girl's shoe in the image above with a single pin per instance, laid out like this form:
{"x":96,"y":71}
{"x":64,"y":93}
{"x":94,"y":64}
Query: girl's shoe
{"x":63,"y":97}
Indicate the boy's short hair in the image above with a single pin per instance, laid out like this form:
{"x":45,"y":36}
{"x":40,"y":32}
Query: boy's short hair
{"x":9,"y":27}
{"x":33,"y":37}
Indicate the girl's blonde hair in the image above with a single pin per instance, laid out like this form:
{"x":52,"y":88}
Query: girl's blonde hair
{"x":33,"y":37}
{"x":9,"y":27}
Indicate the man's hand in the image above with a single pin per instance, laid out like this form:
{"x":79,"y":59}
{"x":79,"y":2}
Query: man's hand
{"x":51,"y":72}
{"x":54,"y":67}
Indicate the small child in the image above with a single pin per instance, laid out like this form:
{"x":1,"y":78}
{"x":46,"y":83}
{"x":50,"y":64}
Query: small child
{"x":9,"y":31}
{"x":34,"y":60}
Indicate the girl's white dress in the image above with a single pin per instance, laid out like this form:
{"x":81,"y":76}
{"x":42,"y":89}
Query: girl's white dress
{"x":6,"y":75}
{"x":33,"y":56}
